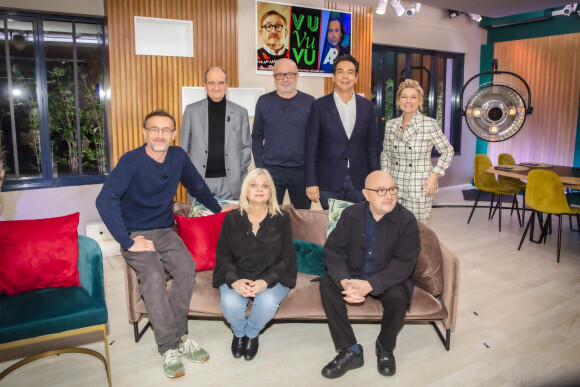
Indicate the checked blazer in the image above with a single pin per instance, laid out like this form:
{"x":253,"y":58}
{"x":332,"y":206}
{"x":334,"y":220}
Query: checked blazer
{"x":407,"y":155}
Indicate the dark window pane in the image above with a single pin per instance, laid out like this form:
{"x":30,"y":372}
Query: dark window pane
{"x":19,"y":134}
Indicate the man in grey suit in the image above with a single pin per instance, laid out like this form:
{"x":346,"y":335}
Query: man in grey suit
{"x":215,"y":133}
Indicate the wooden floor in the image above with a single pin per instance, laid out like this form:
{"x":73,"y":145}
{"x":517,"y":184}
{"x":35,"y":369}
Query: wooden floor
{"x":518,"y":325}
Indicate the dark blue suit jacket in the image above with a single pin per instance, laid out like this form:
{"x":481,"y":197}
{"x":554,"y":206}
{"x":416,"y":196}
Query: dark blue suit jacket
{"x":328,"y":148}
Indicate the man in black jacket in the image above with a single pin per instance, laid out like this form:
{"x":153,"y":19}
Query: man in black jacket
{"x":372,"y":251}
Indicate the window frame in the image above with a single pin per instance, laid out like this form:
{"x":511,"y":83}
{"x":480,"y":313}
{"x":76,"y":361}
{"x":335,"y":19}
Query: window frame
{"x":47,"y":179}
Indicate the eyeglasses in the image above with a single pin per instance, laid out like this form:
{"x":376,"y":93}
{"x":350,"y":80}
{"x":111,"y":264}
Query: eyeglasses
{"x":278,"y":27}
{"x":280,"y":76}
{"x":383,"y":191}
{"x":164,"y":131}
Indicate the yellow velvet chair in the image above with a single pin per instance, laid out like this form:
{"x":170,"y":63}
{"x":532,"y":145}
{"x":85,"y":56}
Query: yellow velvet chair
{"x":486,"y":182}
{"x":507,"y":159}
{"x":545,"y":194}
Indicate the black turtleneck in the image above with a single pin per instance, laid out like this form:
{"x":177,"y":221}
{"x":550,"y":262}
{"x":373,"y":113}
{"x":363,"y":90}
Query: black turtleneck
{"x":216,"y":111}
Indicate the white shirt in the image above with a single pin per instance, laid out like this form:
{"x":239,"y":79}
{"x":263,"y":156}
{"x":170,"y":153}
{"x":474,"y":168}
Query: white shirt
{"x":347,"y":112}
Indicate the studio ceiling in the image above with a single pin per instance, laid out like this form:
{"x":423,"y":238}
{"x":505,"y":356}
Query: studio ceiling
{"x":489,"y":8}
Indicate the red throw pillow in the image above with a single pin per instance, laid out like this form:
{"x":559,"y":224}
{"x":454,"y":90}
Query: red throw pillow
{"x":200,"y":235}
{"x":37,"y":254}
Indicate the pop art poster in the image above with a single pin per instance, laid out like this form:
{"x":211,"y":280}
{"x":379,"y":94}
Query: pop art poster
{"x":311,"y":37}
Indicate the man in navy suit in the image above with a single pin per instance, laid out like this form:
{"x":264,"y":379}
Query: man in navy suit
{"x":343,"y":142}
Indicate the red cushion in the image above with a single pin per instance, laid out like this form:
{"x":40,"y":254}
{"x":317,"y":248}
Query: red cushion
{"x":200,"y":235}
{"x":38,"y":254}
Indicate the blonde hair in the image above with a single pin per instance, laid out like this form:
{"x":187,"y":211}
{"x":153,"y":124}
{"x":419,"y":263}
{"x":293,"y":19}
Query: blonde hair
{"x":244,"y":204}
{"x":410,"y":84}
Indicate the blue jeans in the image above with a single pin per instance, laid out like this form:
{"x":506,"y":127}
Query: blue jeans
{"x":264,"y":308}
{"x":293,"y":180}
{"x":347,"y":193}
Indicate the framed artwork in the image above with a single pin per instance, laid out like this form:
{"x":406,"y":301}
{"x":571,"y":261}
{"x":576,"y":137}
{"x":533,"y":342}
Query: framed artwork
{"x":311,"y":37}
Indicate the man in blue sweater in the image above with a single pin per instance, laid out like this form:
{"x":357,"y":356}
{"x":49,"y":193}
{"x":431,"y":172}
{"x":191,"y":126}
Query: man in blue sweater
{"x":136,"y":204}
{"x":279,"y":134}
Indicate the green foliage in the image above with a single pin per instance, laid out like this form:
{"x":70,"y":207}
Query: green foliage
{"x":389,"y":98}
{"x":61,"y":113}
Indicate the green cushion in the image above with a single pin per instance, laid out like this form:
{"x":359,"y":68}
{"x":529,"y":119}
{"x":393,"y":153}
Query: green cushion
{"x":310,"y":258}
{"x":51,"y":310}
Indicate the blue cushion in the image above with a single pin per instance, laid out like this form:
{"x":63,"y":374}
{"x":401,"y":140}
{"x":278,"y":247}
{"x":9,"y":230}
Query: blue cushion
{"x":45,"y":311}
{"x":310,"y":258}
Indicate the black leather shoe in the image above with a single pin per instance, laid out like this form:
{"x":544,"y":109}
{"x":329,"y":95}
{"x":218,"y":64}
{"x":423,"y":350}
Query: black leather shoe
{"x":251,"y":348}
{"x":345,"y":361}
{"x":385,"y":361}
{"x":238,"y":344}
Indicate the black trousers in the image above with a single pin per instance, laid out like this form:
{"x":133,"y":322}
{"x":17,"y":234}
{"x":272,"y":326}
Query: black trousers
{"x":395,"y":302}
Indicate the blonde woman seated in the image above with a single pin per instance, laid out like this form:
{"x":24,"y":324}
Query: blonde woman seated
{"x":255,"y":260}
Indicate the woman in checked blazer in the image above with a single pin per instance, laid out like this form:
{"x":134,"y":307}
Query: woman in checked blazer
{"x":406,"y":153}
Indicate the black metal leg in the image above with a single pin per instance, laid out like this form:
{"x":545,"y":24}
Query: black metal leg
{"x":530,"y":222}
{"x":517,"y":205}
{"x":491,"y":205}
{"x":138,"y":334}
{"x":559,"y":236}
{"x":474,"y":205}
{"x":445,"y":340}
{"x":500,"y":206}
{"x":524,"y":208}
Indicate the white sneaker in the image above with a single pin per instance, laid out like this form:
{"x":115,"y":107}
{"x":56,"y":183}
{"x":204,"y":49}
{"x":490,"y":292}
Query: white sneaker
{"x":172,"y":364}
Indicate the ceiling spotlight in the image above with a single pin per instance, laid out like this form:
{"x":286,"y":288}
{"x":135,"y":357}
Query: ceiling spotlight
{"x":399,"y":9}
{"x":453,"y":13}
{"x":475,"y":17}
{"x":496,"y":111}
{"x":414,"y":9}
{"x":382,"y":7}
{"x":566,"y":11}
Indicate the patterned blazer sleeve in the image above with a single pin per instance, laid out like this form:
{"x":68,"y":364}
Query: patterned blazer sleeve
{"x":443,"y":147}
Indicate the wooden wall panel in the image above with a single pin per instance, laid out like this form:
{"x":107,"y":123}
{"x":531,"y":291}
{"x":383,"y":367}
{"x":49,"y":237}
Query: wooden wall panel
{"x":550,"y":66}
{"x":140,"y":84}
{"x":362,"y":47}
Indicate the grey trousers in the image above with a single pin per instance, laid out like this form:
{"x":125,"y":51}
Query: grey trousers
{"x":219,"y":187}
{"x":168,"y":314}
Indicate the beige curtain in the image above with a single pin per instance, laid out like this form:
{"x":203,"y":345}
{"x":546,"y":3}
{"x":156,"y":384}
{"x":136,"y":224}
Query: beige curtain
{"x":551,"y":66}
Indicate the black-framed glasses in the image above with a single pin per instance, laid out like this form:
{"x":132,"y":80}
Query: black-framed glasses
{"x":277,"y":27}
{"x":383,"y":191}
{"x":164,"y":131}
{"x":280,"y":76}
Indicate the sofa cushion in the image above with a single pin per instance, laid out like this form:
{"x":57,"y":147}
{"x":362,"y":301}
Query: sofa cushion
{"x":200,"y":236}
{"x":335,"y":208}
{"x":35,"y":313}
{"x":198,"y":209}
{"x":308,"y":225}
{"x":40,"y":253}
{"x":428,"y":273}
{"x":310,"y":258}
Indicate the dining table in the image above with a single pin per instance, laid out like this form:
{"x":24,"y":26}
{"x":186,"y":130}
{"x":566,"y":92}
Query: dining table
{"x":570,"y":176}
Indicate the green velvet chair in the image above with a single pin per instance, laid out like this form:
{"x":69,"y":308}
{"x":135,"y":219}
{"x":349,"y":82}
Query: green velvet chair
{"x":545,"y":194}
{"x":486,"y":182}
{"x":507,"y":159}
{"x":54,"y":313}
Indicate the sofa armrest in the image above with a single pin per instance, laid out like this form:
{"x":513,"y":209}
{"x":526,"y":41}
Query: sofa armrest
{"x":91,"y":267}
{"x":450,"y":294}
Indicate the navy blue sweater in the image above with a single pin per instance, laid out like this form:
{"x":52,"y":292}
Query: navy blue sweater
{"x":138,"y":194}
{"x":279,"y":131}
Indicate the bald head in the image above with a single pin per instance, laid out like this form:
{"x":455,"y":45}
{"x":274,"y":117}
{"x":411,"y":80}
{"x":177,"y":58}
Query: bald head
{"x":376,"y":178}
{"x":285,"y":64}
{"x":286,"y":68}
{"x":379,"y":181}
{"x":215,"y":81}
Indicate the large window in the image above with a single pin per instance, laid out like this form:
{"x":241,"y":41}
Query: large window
{"x":52,"y":115}
{"x":440,"y":75}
